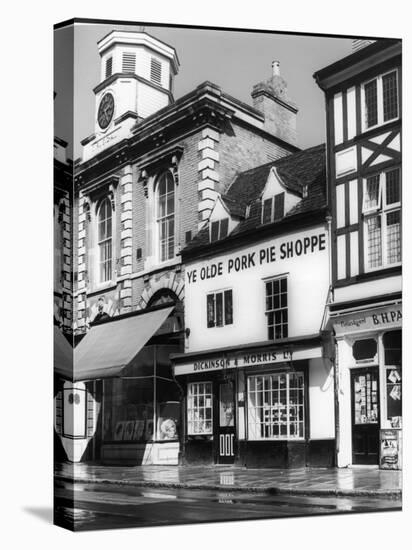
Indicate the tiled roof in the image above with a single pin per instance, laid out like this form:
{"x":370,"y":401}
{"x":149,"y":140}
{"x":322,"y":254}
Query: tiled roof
{"x":303,"y":173}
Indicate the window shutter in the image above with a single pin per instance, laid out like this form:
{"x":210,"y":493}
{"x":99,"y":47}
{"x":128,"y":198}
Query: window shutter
{"x":155,"y":71}
{"x":267,"y":211}
{"x":224,"y":226}
{"x":279,"y":206}
{"x":228,"y":307}
{"x":210,"y":310}
{"x":109,"y":66}
{"x":188,"y":236}
{"x":214,"y":232}
{"x":129,"y":62}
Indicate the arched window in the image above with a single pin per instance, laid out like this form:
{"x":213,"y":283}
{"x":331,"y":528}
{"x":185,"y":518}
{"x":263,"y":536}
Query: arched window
{"x":165,"y":194}
{"x":104,"y":240}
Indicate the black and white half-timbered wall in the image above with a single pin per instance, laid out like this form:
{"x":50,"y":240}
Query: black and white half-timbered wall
{"x":364,"y":115}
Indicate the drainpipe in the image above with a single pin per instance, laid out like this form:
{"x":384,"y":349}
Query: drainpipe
{"x":337,"y":423}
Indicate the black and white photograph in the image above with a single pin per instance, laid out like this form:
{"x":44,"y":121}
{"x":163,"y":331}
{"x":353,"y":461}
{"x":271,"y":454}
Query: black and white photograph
{"x":228,"y":253}
{"x":204,"y":267}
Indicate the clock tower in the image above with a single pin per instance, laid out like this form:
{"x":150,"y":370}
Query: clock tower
{"x":137,"y":73}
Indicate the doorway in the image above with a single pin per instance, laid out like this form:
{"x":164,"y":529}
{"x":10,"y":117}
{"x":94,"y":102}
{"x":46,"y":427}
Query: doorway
{"x":365,"y":415}
{"x":227,"y":430}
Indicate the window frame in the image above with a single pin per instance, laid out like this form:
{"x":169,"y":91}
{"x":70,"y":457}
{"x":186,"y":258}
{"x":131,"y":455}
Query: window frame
{"x":379,"y":101}
{"x":205,"y":384}
{"x":273,"y":310}
{"x":224,"y":313}
{"x":272,"y":200}
{"x":100,"y":242}
{"x":381,"y":211}
{"x":167,"y":217}
{"x":262,"y":423}
{"x":219,"y":234}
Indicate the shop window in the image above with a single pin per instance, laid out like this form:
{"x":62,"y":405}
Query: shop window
{"x":219,"y":308}
{"x":104,"y":238}
{"x":273,"y":209}
{"x":365,"y":350}
{"x":165,"y":217}
{"x":219,"y":229}
{"x":199,"y":408}
{"x":380,"y":100}
{"x":276,"y":406}
{"x":382,"y":218}
{"x":135,"y":410}
{"x":277,"y":308}
{"x":392,"y":343}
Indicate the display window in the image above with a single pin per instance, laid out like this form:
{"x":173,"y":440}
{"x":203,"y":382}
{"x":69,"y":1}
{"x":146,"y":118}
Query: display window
{"x":138,"y":410}
{"x":199,"y":408}
{"x":276,"y":406}
{"x":392,"y":344}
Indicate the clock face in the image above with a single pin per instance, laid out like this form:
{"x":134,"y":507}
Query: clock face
{"x":106,"y":110}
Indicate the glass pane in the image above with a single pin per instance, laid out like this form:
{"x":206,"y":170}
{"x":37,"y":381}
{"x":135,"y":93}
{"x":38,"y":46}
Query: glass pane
{"x":228,"y":307}
{"x":393,"y":235}
{"x":267,"y":211}
{"x":224,"y":225}
{"x":371,"y":104}
{"x":219,"y":309}
{"x":372,"y":192}
{"x":392,"y":343}
{"x":214,"y":231}
{"x":390,"y":96}
{"x":364,"y":349}
{"x":393,"y":192}
{"x":279,"y":206}
{"x":374,"y":235}
{"x":210,"y":310}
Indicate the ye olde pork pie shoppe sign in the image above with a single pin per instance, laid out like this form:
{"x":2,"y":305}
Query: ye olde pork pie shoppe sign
{"x":287,"y":249}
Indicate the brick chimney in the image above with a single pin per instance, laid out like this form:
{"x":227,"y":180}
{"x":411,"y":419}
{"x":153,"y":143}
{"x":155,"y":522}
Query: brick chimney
{"x":271,"y":99}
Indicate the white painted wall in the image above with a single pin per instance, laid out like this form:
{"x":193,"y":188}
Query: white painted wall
{"x":321,"y":399}
{"x":369,"y":289}
{"x":149,"y":100}
{"x":338,"y":117}
{"x":308,"y":281}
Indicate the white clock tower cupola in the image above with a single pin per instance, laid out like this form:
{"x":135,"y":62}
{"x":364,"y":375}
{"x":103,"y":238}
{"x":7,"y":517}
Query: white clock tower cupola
{"x":136,"y":79}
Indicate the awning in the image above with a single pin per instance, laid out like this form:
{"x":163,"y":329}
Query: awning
{"x":63,"y":355}
{"x":109,"y":347}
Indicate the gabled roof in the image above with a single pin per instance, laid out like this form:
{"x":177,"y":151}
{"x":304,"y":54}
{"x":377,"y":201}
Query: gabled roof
{"x":303,"y":173}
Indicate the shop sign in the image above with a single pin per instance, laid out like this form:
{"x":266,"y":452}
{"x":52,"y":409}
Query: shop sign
{"x":390,"y":451}
{"x":247,"y":359}
{"x":278,"y":252}
{"x":376,"y":319}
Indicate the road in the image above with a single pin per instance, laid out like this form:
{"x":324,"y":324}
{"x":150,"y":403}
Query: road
{"x":109,"y":506}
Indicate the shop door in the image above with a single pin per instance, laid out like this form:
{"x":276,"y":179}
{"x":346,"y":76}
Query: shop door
{"x":365,"y":416}
{"x":227,"y":434}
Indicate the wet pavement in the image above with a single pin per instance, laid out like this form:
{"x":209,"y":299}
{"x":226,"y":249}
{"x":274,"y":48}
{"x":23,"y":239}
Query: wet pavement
{"x":355,"y":481}
{"x":86,"y":506}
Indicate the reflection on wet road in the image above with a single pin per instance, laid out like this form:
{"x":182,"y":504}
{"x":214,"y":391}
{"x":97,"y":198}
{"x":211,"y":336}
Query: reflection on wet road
{"x":108,"y":506}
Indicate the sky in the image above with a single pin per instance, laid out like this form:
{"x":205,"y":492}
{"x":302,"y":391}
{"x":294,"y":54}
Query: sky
{"x":234,"y":60}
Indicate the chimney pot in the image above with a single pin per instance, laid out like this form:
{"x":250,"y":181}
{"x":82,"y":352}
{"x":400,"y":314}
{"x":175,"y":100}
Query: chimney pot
{"x":275,"y":68}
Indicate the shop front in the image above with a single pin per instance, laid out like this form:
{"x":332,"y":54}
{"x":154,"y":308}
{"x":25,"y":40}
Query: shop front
{"x":122,"y":368}
{"x":369,"y":385}
{"x":268,"y":405}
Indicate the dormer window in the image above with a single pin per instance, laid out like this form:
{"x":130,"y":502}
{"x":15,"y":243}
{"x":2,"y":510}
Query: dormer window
{"x":219,"y":229}
{"x":155,"y":71}
{"x":273,"y":208}
{"x":128,"y":62}
{"x":109,"y":67}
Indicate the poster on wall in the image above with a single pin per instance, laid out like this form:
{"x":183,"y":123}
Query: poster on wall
{"x":390,"y":450}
